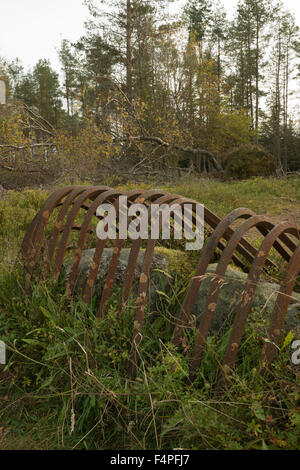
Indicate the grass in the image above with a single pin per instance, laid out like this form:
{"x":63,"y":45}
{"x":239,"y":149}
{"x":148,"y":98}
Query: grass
{"x":65,"y":385}
{"x":263,"y":195}
{"x":271,"y":196}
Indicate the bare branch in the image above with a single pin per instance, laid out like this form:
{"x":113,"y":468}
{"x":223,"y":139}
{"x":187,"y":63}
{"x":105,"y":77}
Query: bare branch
{"x":23,"y":147}
{"x":193,"y":151}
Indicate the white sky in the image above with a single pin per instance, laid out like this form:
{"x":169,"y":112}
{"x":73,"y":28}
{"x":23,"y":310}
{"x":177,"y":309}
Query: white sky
{"x":33,"y":29}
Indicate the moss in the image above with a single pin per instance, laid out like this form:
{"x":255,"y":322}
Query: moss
{"x":181,"y":263}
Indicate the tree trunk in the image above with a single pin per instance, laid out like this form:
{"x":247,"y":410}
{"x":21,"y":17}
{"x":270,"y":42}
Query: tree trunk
{"x":277,"y":106}
{"x":285,"y":124}
{"x":257,"y":78}
{"x":129,"y":50}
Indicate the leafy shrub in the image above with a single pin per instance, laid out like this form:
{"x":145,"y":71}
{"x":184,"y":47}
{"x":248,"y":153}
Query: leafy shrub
{"x":250,"y":160}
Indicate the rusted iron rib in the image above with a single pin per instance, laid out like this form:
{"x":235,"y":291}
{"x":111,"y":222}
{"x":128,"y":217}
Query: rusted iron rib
{"x":92,"y":275}
{"x":249,"y":291}
{"x":140,"y":305}
{"x":27,"y":243}
{"x":106,"y":196}
{"x":216,"y":284}
{"x":52,"y":240}
{"x":135,"y":196}
{"x":280,"y":309}
{"x":90,"y":193}
{"x":186,"y":309}
{"x":246,"y":249}
{"x":141,"y":196}
{"x":32,"y":241}
{"x":135,"y":249}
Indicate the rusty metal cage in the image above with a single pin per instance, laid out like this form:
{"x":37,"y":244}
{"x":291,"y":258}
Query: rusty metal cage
{"x":49,"y":233}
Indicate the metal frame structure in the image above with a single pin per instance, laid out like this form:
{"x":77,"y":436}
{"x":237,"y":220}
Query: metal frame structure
{"x":64,"y":206}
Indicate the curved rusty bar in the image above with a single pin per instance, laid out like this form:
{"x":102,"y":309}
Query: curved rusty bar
{"x":280,"y":310}
{"x":162,"y":197}
{"x":136,"y":197}
{"x":186,"y":308}
{"x":249,"y":291}
{"x":31,"y":245}
{"x":90,"y":193}
{"x":106,"y":196}
{"x":135,"y":249}
{"x":217,"y":282}
{"x":65,"y":207}
{"x":141,"y":197}
{"x":91,"y":278}
{"x":244,"y":247}
{"x":140,"y":304}
{"x":28,"y":238}
{"x":52,"y":240}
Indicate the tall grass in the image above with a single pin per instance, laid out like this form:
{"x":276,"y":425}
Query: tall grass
{"x":66,"y":383}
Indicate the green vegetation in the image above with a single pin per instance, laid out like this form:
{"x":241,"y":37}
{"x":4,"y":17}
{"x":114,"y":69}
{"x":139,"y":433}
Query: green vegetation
{"x":273,"y":197}
{"x":17,"y":209}
{"x":248,"y":161}
{"x":65,"y":384}
{"x":263,"y":195}
{"x":147,"y":100}
{"x":145,"y":92}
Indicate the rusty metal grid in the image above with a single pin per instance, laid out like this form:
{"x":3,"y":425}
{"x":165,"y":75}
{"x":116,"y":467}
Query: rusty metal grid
{"x":65,"y":205}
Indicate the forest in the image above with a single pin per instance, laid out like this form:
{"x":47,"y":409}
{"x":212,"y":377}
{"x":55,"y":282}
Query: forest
{"x":146,"y":93}
{"x":139,"y":343}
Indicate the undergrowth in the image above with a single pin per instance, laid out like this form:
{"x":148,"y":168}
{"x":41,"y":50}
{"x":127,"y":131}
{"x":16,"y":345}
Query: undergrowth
{"x":66,"y":383}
